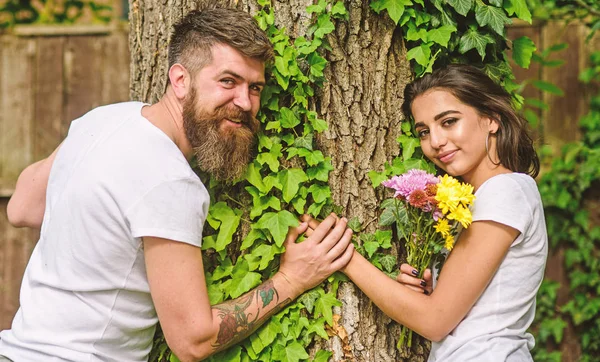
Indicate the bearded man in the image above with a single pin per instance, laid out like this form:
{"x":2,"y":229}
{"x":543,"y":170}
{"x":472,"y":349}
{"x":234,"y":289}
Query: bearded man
{"x":121,"y":212}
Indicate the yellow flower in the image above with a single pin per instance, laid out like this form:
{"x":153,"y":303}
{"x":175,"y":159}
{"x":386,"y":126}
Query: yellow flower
{"x":442,"y":227}
{"x":449,"y":243}
{"x":448,"y":194}
{"x":462,"y":215}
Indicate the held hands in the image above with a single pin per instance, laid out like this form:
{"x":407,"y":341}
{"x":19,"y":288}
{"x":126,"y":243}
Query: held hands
{"x":409,"y":278}
{"x":326,"y":250}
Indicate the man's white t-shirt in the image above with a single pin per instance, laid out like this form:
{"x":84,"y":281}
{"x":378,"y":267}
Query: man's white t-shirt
{"x":495,"y":329}
{"x":85,"y":294}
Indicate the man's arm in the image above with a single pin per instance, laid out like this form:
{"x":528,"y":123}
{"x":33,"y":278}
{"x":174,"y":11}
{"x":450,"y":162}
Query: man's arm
{"x":27,"y":204}
{"x":193,"y":329}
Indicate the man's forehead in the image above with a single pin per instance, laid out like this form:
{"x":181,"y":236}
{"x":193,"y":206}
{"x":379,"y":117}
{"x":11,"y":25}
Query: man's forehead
{"x":227,"y":58}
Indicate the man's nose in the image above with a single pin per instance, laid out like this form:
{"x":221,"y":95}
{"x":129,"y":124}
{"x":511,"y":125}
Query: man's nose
{"x":242,"y":99}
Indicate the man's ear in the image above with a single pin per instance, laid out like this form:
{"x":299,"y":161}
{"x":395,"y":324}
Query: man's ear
{"x":180,"y":80}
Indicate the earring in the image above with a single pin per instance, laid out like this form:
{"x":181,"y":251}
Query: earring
{"x":487,"y":149}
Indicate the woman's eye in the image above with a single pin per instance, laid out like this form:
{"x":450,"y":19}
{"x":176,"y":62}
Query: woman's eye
{"x":450,"y":121}
{"x":422,"y":133}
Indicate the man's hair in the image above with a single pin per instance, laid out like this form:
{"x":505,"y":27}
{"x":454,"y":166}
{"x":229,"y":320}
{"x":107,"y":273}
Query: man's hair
{"x":193,"y":37}
{"x":474,"y":88}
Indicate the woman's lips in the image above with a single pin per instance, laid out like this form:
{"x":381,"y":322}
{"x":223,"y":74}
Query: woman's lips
{"x":447,"y":156}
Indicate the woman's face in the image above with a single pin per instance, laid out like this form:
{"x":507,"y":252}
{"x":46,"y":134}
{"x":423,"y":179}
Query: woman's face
{"x":453,"y":135}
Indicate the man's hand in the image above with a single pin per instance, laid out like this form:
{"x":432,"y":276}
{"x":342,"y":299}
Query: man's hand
{"x":326,"y":250}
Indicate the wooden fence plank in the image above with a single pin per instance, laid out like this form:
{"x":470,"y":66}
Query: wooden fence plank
{"x":49,"y":96}
{"x":561,"y":122}
{"x":15,"y":248}
{"x":115,"y":69}
{"x":83,"y":80}
{"x":16,"y":102}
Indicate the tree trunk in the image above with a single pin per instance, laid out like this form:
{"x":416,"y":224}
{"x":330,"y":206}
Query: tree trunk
{"x":366,"y":75}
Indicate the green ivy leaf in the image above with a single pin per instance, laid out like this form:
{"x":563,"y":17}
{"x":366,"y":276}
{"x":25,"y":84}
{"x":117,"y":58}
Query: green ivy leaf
{"x":324,"y":26}
{"x":305,"y":141}
{"x":420,"y":54}
{"x":338,"y":9}
{"x":409,"y":144}
{"x":395,"y":8}
{"x":324,"y":306}
{"x":461,"y":6}
{"x":518,"y":7}
{"x":271,"y":158}
{"x":288,"y":118}
{"x":371,"y":247}
{"x":377,"y":177}
{"x":312,"y":157}
{"x":290,"y":180}
{"x":230,"y":219}
{"x":415,"y":33}
{"x":354,"y":224}
{"x":388,"y":262}
{"x":320,"y":193}
{"x":321,"y":171}
{"x":441,"y":35}
{"x":292,"y":352}
{"x":277,"y":224}
{"x":523,"y":49}
{"x":492,"y":16}
{"x":317,"y":8}
{"x":254,"y":177}
{"x":322,"y":356}
{"x":269,"y":332}
{"x":308,"y":299}
{"x":384,"y":238}
{"x":252,"y":236}
{"x":473,"y":39}
{"x":242,"y":279}
{"x":317,"y":64}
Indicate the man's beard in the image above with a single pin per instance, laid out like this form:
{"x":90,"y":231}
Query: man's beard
{"x":222,"y":152}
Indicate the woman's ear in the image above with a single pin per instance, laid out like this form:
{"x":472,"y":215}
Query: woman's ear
{"x":494,"y":124}
{"x":180,"y":80}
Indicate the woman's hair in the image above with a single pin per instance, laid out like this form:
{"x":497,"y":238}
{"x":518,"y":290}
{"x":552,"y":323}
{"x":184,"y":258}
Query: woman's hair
{"x":194,"y":35}
{"x":474,"y":88}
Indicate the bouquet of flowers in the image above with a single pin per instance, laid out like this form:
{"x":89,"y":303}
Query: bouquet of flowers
{"x":428,"y":212}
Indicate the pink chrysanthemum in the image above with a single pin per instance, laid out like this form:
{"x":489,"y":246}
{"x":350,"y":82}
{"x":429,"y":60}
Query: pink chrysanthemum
{"x":412,"y":180}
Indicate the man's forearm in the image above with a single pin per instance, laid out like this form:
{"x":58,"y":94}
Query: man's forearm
{"x":27,"y":205}
{"x":239,"y":318}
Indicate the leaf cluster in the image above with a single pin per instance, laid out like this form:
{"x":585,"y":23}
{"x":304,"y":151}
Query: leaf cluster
{"x":14,"y":12}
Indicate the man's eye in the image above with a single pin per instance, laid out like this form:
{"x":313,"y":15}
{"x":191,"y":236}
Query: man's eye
{"x":227,"y":81}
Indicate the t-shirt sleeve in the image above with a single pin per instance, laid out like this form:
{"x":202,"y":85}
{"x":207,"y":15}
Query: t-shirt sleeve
{"x":174,"y":210}
{"x":503,"y":200}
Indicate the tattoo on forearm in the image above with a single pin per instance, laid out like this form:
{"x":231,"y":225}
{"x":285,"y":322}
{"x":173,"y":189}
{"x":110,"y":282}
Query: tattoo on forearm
{"x":237,"y":322}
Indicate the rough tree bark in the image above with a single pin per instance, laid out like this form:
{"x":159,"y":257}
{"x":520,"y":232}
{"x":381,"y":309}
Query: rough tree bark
{"x":361,"y":99}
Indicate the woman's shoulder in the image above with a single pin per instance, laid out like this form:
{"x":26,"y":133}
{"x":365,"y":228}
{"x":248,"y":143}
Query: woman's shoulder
{"x":509,"y":183}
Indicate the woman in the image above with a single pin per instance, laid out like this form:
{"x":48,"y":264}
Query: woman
{"x":484,"y":298}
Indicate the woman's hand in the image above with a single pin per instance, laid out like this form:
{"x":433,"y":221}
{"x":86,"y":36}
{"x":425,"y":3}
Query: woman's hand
{"x":409,"y":278}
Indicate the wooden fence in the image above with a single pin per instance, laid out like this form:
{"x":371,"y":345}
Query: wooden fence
{"x":50,"y":77}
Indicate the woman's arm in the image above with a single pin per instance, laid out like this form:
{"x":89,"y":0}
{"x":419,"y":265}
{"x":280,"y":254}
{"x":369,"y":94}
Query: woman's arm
{"x":469,"y":268}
